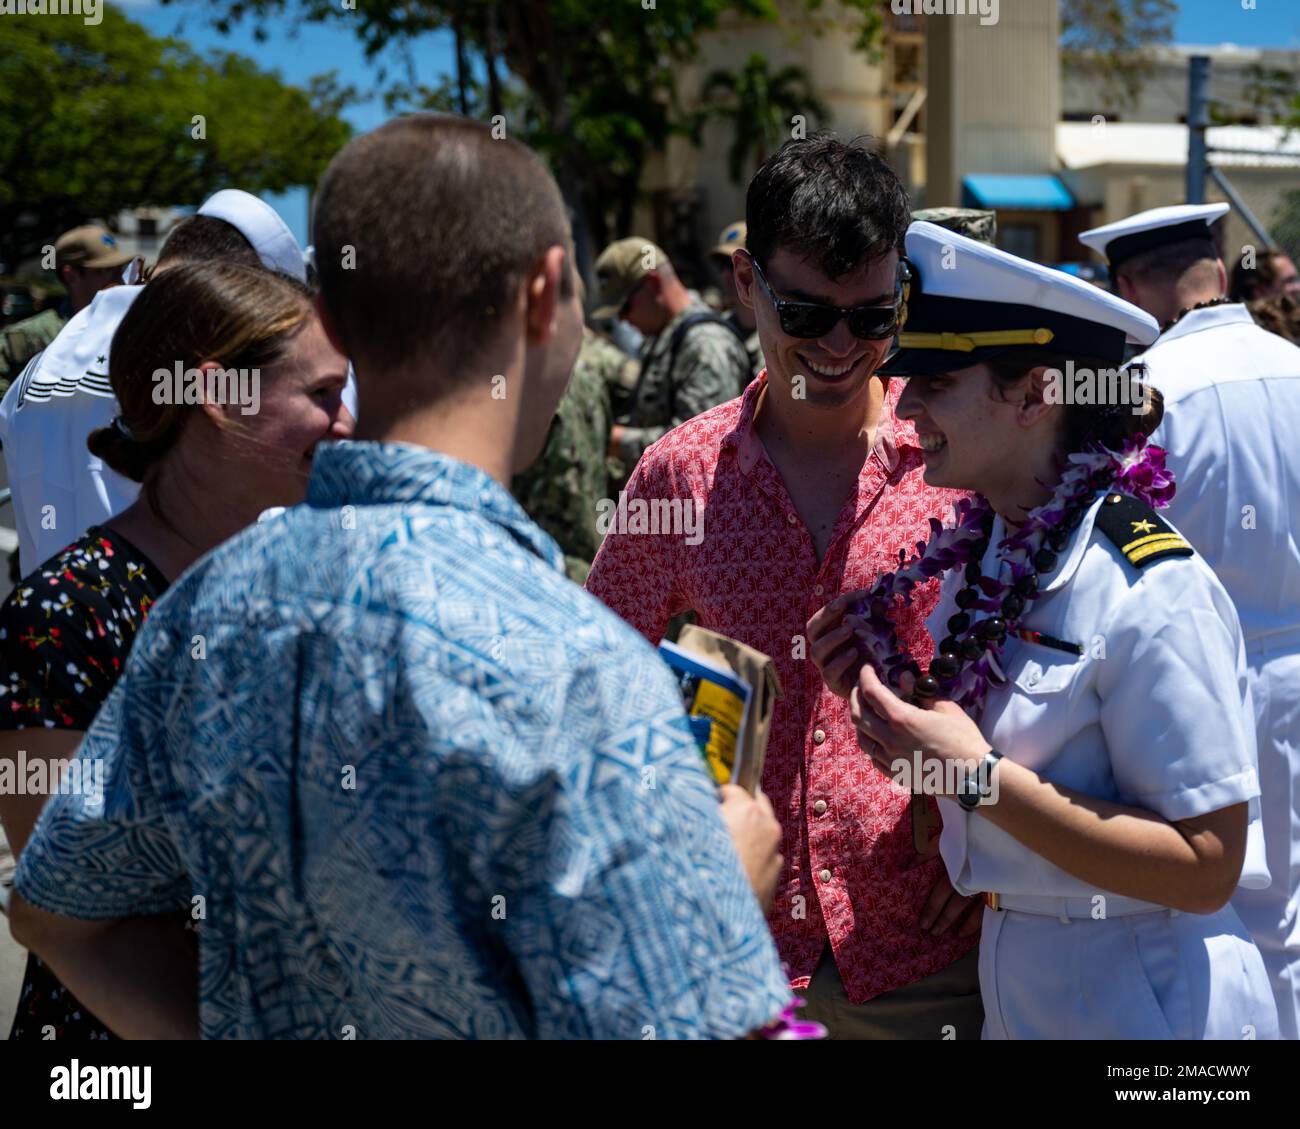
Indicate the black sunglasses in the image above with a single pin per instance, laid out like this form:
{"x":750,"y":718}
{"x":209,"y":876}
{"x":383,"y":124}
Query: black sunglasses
{"x":812,"y":319}
{"x":627,"y":302}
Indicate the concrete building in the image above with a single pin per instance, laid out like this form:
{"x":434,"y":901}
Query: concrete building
{"x":1235,"y":74}
{"x":993,"y":107}
{"x":982,"y":115}
{"x":688,"y":190}
{"x":1124,"y":167}
{"x":141,"y":231}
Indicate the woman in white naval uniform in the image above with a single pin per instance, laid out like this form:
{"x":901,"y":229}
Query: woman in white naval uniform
{"x":1101,"y":795}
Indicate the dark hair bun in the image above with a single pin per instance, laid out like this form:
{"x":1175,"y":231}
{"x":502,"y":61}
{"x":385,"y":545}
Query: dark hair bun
{"x":120,"y":453}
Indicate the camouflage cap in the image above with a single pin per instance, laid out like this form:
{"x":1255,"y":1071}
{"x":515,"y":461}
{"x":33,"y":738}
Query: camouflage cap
{"x":620,"y":267}
{"x":91,"y":247}
{"x":974,"y":223}
{"x":730,"y":238}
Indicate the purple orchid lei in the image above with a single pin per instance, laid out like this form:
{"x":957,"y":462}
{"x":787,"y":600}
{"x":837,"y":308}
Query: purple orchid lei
{"x":789,"y":1026}
{"x":1137,"y":469}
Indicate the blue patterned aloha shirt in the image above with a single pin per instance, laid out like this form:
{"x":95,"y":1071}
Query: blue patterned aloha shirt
{"x":413,"y":783}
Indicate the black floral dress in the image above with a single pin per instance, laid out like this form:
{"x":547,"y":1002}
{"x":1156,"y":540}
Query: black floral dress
{"x":65,"y":632}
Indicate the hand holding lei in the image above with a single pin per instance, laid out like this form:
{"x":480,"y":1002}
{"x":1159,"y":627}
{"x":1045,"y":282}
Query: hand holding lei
{"x":970,"y":654}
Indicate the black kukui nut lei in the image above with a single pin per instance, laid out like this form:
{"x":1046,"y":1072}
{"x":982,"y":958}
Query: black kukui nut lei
{"x":970,"y":640}
{"x":1136,"y":469}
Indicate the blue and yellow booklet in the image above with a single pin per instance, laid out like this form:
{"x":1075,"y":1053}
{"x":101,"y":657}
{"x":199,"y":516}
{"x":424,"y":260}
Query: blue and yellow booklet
{"x":728,"y":691}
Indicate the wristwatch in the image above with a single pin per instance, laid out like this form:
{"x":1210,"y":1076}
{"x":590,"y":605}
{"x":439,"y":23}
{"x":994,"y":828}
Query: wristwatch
{"x":970,"y":794}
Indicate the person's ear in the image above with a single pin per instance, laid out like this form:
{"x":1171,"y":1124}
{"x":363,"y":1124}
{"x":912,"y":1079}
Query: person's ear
{"x":220,"y":414}
{"x":544,"y":295}
{"x":742,"y":267}
{"x":1127,"y":291}
{"x":1223,"y":277}
{"x":1037,"y":401}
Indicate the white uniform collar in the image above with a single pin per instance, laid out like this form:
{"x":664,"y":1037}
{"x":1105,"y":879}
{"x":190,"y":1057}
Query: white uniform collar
{"x":1195,"y":321}
{"x":1067,"y":562}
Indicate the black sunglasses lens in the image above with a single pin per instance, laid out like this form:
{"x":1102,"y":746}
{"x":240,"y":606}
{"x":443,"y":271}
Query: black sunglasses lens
{"x":874,"y":322}
{"x":801,"y":320}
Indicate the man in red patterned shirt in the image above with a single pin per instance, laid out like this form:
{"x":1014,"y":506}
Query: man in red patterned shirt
{"x":804,"y":488}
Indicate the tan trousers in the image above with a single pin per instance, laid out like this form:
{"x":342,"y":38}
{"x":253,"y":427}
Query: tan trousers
{"x":945,"y":1005}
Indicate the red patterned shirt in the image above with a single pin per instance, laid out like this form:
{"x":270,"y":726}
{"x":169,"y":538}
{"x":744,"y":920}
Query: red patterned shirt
{"x":853,"y":872}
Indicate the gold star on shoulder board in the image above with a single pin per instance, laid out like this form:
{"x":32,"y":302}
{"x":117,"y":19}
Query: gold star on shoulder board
{"x":1143,"y":526}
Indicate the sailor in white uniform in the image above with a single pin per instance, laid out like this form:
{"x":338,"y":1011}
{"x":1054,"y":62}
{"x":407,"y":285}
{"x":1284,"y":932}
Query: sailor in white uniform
{"x":59,"y":488}
{"x":1099,"y":793}
{"x":1232,"y":430}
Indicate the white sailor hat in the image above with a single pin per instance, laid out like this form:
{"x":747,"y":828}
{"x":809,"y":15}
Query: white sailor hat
{"x":1145,"y":231}
{"x":968,"y":302}
{"x":260,"y":224}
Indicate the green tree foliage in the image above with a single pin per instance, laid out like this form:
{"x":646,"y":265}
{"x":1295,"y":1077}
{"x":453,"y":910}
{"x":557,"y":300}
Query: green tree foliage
{"x":594,"y":80}
{"x":759,"y":104}
{"x":1269,"y":94}
{"x":1110,"y":41}
{"x":1286,"y":223}
{"x":94,"y":119}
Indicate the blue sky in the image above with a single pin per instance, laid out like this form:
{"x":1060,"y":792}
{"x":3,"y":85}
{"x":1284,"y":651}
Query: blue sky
{"x":1270,"y":23}
{"x":298,"y":50}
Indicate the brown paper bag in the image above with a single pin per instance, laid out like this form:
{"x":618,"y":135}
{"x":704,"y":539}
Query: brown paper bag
{"x":759,"y":671}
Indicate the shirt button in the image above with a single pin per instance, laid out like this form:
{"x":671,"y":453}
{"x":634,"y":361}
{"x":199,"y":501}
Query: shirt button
{"x":825,"y":876}
{"x":819,"y":590}
{"x":819,"y":808}
{"x":791,"y":518}
{"x":819,"y":735}
{"x":1032,"y":680}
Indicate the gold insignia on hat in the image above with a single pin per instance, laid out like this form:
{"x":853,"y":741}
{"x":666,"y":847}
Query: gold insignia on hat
{"x":966,"y":342}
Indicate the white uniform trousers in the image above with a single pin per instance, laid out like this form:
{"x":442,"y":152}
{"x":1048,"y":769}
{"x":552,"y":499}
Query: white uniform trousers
{"x":1272,"y":915}
{"x":1150,"y":975}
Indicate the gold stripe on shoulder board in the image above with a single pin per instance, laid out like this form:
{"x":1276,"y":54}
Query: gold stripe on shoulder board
{"x":1161,"y":545}
{"x":1152,"y":537}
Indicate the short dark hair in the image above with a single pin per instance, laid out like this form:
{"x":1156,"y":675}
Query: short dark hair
{"x":1164,"y":266}
{"x":206,"y":239}
{"x":444,"y":220}
{"x":838,"y":206}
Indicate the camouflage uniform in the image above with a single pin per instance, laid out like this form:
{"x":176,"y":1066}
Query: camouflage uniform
{"x":711,"y":368}
{"x":20,"y":342}
{"x":752,"y":346}
{"x":561,"y":489}
{"x":974,"y":223}
{"x":621,"y":378}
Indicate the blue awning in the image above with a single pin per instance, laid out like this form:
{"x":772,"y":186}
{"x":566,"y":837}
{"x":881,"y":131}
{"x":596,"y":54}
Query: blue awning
{"x":1033,"y":192}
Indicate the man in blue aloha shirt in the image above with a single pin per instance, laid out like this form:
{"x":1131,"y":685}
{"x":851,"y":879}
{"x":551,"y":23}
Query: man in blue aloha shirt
{"x":406,"y":779}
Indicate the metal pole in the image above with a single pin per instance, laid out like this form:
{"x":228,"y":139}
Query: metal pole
{"x":1198,"y":119}
{"x":1234,"y":198}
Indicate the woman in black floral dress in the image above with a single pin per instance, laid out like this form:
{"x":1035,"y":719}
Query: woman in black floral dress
{"x":206,"y":470}
{"x":64,"y":633}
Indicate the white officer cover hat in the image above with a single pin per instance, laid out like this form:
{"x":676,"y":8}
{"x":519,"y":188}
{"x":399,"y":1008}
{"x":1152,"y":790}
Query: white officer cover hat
{"x":969,"y":302}
{"x":1157,"y":227}
{"x":259,"y":223}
